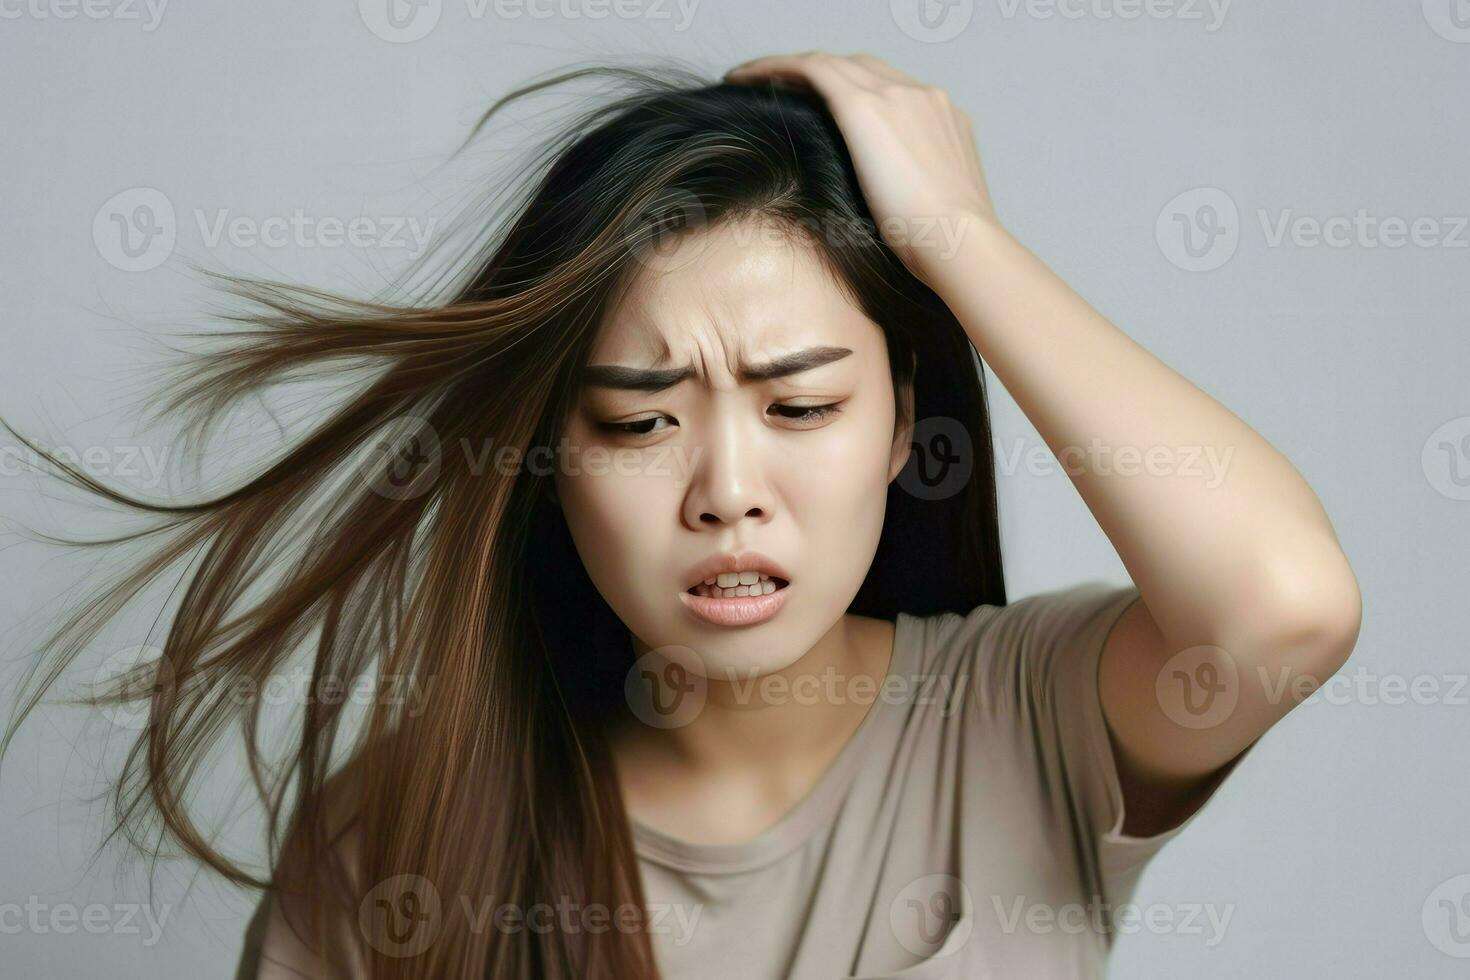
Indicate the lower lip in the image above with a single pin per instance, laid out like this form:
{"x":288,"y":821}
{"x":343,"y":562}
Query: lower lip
{"x":740,"y":610}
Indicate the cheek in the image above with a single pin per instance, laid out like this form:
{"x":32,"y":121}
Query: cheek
{"x":608,"y":506}
{"x":849,"y":464}
{"x":838,"y":492}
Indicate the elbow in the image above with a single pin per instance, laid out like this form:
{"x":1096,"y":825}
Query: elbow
{"x":1312,"y":613}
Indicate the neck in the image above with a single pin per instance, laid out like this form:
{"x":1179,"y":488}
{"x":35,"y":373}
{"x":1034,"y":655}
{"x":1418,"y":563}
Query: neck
{"x":764,"y":740}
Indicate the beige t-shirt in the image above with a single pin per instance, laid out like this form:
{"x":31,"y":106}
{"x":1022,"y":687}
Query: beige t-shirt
{"x":970,"y":828}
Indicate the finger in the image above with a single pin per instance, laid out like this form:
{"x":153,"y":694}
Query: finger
{"x":882,"y":68}
{"x":863,"y":74}
{"x":765,"y":61}
{"x":815,"y":69}
{"x":862,"y":71}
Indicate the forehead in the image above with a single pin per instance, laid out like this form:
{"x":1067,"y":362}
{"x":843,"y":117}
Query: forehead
{"x":741,"y":289}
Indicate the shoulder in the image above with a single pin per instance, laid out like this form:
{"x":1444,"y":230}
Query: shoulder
{"x":1033,"y":651}
{"x":1022,"y":630}
{"x":275,"y":946}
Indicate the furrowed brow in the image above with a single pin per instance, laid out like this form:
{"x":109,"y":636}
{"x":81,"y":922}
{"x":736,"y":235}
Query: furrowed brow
{"x":655,"y":379}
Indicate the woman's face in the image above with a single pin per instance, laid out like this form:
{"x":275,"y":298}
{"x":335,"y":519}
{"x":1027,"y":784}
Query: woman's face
{"x":736,"y":402}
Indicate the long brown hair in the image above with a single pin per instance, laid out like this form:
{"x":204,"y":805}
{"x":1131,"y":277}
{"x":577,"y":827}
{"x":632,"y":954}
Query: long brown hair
{"x":390,"y":555}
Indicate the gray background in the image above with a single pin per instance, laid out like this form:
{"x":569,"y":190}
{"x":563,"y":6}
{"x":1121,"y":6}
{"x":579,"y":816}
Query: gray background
{"x":1332,"y":844}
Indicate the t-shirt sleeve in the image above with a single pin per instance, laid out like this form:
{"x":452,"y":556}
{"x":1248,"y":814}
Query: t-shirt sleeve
{"x":248,"y":967}
{"x":1051,"y":644}
{"x":273,"y":951}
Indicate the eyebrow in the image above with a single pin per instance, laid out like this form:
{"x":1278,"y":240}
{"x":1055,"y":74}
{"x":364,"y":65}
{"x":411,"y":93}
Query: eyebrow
{"x":655,"y":379}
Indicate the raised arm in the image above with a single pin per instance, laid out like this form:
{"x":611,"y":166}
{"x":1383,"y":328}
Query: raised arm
{"x":1242,"y":580}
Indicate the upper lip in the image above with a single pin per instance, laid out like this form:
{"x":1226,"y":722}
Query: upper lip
{"x":737,"y":561}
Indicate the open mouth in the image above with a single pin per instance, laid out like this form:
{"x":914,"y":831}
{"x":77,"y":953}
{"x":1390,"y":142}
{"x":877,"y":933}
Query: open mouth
{"x":735,"y":585}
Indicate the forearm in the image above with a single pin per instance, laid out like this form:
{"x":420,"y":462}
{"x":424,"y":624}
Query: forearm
{"x":1219,"y":531}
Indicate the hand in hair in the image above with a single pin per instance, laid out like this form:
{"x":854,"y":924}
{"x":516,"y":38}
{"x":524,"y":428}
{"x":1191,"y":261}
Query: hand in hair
{"x":913,"y":150}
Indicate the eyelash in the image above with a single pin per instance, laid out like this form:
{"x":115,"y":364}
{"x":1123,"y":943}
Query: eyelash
{"x":808,"y":413}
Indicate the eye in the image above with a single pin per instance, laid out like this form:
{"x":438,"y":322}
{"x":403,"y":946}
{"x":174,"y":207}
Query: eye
{"x":638,"y":427}
{"x":806,"y":414}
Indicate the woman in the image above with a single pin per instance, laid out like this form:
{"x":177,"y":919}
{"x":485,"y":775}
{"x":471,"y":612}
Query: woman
{"x":715,"y":681}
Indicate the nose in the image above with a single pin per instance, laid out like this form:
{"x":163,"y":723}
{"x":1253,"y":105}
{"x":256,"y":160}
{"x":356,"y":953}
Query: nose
{"x":729,"y":481}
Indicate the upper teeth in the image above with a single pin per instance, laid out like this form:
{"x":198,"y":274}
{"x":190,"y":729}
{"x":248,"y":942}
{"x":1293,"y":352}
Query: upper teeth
{"x":728,"y":580}
{"x":730,"y":585}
